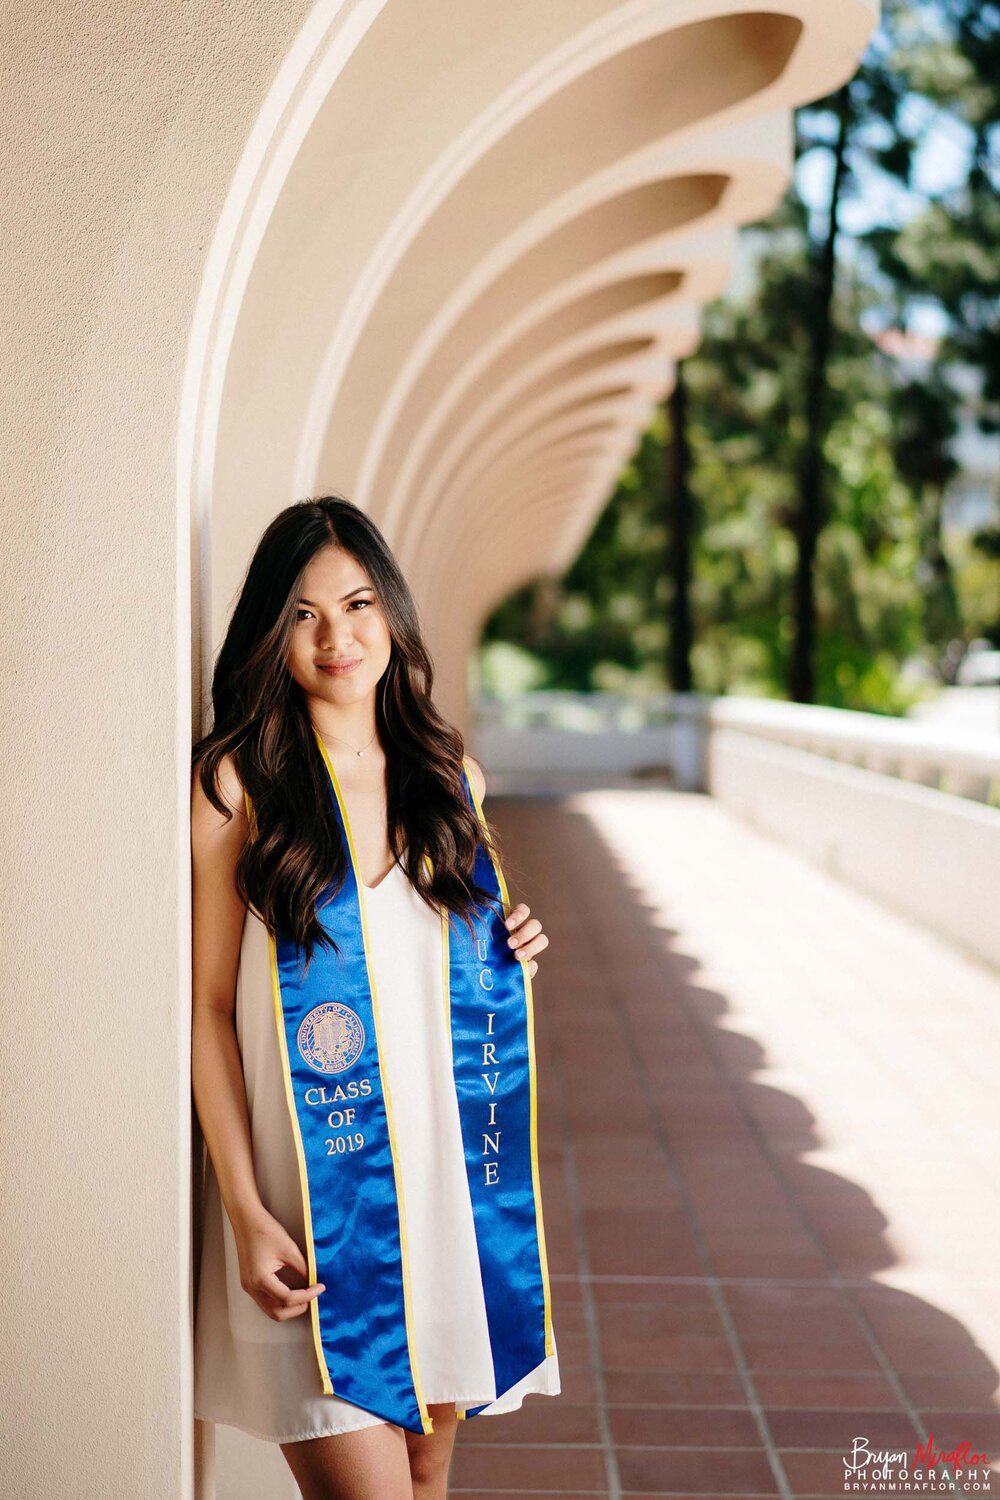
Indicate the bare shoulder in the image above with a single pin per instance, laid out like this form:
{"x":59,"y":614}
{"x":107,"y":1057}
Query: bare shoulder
{"x":230,"y":787}
{"x":478,"y":777}
{"x":230,"y":784}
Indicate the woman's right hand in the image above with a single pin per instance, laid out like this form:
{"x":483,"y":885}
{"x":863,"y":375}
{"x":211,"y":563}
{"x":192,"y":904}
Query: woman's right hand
{"x":265,"y":1248}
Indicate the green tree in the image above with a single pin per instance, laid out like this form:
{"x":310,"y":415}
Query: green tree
{"x":800,"y":542}
{"x":949,"y":254}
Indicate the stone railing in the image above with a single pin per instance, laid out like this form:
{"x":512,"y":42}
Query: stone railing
{"x":898,"y":808}
{"x":602,"y":733}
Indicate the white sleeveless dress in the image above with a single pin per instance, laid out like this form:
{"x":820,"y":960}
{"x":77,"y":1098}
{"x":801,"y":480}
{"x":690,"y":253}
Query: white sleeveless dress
{"x":253,"y":1373}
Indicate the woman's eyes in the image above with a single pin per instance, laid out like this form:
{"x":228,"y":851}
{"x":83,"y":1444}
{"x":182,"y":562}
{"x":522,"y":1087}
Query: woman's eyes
{"x":364,"y":603}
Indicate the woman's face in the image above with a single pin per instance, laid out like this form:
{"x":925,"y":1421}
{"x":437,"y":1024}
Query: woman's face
{"x":340,"y":642}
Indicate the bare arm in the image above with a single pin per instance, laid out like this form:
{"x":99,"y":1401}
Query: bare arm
{"x":526,"y":935}
{"x":478,"y":777}
{"x":266,"y":1250}
{"x":216,"y":1067}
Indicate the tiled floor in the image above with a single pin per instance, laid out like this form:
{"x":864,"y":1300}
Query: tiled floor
{"x":770,"y":1175}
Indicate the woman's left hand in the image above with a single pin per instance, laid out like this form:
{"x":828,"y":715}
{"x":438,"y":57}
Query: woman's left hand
{"x":526,"y":936}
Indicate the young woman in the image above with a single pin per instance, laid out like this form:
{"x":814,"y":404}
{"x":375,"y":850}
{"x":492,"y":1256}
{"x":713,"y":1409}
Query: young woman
{"x":373,"y":1262}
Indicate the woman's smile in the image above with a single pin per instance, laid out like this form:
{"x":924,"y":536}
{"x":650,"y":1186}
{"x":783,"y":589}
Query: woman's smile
{"x":339,"y":668}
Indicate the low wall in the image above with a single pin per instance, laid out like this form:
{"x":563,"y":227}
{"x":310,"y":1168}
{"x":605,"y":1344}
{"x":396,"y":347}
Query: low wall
{"x":927,"y":854}
{"x":804,"y":774}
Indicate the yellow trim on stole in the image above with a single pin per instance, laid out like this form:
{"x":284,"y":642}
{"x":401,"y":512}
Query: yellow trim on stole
{"x":425,"y":1417}
{"x":550,"y":1347}
{"x":299,"y":1152}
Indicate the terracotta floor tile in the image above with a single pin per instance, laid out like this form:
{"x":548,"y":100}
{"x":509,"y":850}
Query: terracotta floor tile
{"x":815,"y":1472}
{"x":734,"y":1163}
{"x":658,"y":1319}
{"x":972,"y":1392}
{"x":801,"y":1428}
{"x":680,"y":1426}
{"x":669,"y":1387}
{"x":742,"y":1471}
{"x":631,"y":1291}
{"x":579,"y":1387}
{"x":922,"y":1356}
{"x":636,"y":1258}
{"x":548,"y":1420}
{"x":747,"y":1260}
{"x":664,"y":1351}
{"x":565,"y":1288}
{"x":789,"y":1354}
{"x":980,"y":1429}
{"x":572,"y":1316}
{"x":509,"y":1467}
{"x":573,"y":1345}
{"x":827,"y":1390}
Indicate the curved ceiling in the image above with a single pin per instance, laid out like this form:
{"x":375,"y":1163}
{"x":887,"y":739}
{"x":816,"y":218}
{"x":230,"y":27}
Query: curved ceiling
{"x":484,"y":255}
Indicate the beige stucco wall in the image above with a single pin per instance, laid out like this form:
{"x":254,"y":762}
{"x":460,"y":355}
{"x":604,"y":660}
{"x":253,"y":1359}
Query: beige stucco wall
{"x":440,"y":257}
{"x":122,"y":124}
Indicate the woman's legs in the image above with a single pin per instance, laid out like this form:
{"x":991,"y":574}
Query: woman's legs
{"x":368,"y":1464}
{"x":430,"y":1453}
{"x":382,"y":1462}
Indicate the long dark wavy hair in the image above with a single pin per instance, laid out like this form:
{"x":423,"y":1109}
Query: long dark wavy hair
{"x":295,"y":851}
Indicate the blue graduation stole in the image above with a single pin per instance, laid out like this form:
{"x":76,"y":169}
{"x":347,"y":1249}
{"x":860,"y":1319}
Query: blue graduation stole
{"x":341,"y":1112}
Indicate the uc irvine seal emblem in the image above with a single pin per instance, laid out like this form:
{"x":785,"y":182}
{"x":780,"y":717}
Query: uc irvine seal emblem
{"x":331,"y":1037}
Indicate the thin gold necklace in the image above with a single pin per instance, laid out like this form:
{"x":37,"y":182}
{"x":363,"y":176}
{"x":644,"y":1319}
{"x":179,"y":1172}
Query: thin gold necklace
{"x":358,"y":753}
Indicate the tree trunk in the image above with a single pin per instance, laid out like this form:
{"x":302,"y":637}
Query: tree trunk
{"x":810,"y":512}
{"x":678,"y":551}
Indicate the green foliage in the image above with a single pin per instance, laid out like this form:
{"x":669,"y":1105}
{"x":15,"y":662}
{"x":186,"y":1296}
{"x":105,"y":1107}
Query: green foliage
{"x":602,"y":624}
{"x":891,"y":587}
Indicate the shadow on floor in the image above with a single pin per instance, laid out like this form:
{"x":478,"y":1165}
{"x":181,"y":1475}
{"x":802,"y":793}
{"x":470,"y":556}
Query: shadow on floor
{"x":719,"y":1333}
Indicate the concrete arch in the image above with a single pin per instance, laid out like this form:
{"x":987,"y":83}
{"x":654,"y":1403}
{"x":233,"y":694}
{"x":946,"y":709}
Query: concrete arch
{"x":477,"y":417}
{"x":399,"y":214}
{"x":575,"y":260}
{"x":541,"y":170}
{"x":507,"y":393}
{"x":477,"y":584}
{"x":675,"y":334}
{"x":508,"y":497}
{"x":668,"y":198}
{"x":631,"y":99}
{"x":476,"y":590}
{"x":628,"y":410}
